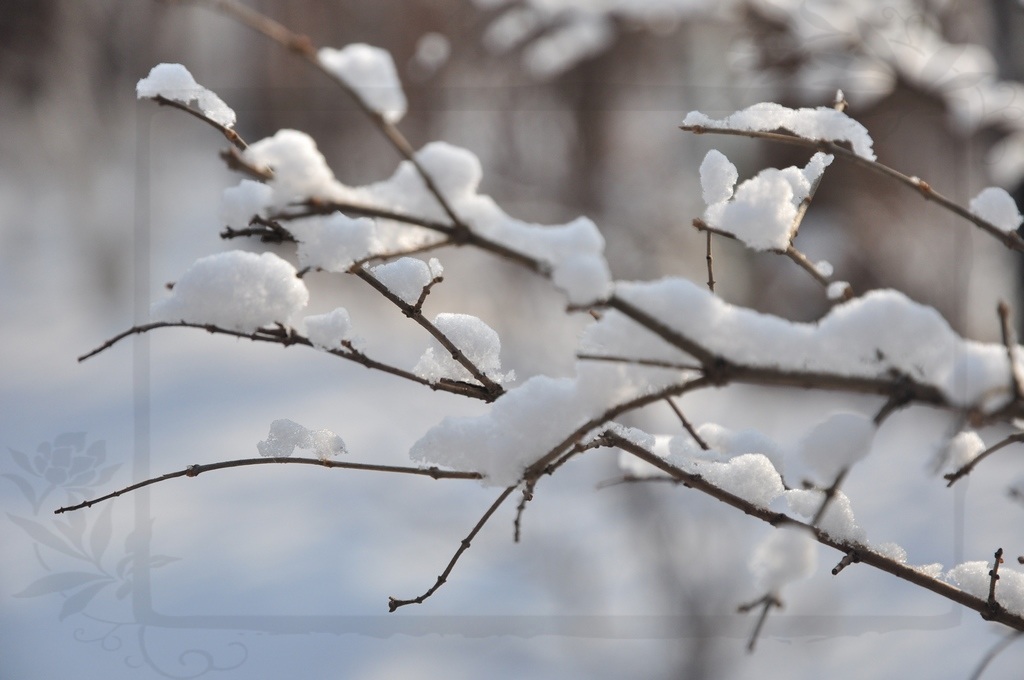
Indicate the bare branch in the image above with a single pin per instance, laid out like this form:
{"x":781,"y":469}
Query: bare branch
{"x":711,"y":265}
{"x":848,"y":559}
{"x":965,"y":469}
{"x":287,"y":337}
{"x":394,"y":603}
{"x":766,"y":603}
{"x":196,"y":470}
{"x":1011,"y":343}
{"x":686,"y":424}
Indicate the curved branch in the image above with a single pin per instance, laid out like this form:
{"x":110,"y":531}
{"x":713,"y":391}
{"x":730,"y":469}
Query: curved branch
{"x":1009,"y":239}
{"x":228,"y":133}
{"x":395,"y":603}
{"x":196,"y":470}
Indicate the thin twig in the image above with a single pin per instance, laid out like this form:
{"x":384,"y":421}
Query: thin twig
{"x":228,"y":133}
{"x":304,"y":47}
{"x":966,"y":468}
{"x":490,"y":387}
{"x":711,"y":265}
{"x":1010,"y":239}
{"x":848,"y":559}
{"x":394,"y":603}
{"x":765,"y":603}
{"x":686,"y":424}
{"x":196,"y":470}
{"x":994,"y":576}
{"x":656,"y":363}
{"x":996,"y":650}
{"x":830,"y":494}
{"x":527,"y":497}
{"x":776,"y":519}
{"x":1010,"y":342}
{"x":289,"y":337}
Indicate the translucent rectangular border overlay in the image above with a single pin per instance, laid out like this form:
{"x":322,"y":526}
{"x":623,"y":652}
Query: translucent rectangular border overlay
{"x":625,"y":627}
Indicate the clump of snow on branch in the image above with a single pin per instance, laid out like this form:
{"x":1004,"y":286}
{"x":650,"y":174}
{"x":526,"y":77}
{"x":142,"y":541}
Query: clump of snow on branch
{"x":996,"y":206}
{"x":784,"y":556}
{"x":837,"y":290}
{"x":838,"y":521}
{"x":821,"y":124}
{"x":750,"y":476}
{"x":328,"y":331}
{"x":531,"y":419}
{"x":300,"y":170}
{"x":239,"y":204}
{"x":974,"y":579}
{"x":173,"y":81}
{"x":370,"y":73}
{"x":962,"y":449}
{"x":475,"y":339}
{"x":870,"y":336}
{"x":334,"y":242}
{"x":725,"y":443}
{"x":836,"y":443}
{"x":286,"y":435}
{"x":762,"y":211}
{"x":236,"y":290}
{"x":407,"y":277}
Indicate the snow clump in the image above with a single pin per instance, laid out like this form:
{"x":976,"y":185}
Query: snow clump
{"x":235,"y":290}
{"x":173,"y":81}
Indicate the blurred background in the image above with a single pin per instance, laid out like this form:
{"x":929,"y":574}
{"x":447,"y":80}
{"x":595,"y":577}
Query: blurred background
{"x":573,"y":108}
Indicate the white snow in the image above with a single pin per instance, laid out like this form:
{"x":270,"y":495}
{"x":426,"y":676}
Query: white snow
{"x":474,"y":338}
{"x":370,"y":73}
{"x":174,"y":81}
{"x":750,"y":476}
{"x":962,"y":449}
{"x":838,"y":522}
{"x":432,"y":51}
{"x":762,"y":212}
{"x":328,"y":331}
{"x":236,"y":290}
{"x":869,"y":336}
{"x":837,"y":289}
{"x":529,"y":420}
{"x":300,"y":170}
{"x":973,"y":578}
{"x":717,"y":177}
{"x":405,"y":277}
{"x":788,"y":554}
{"x":996,"y":206}
{"x":836,"y":444}
{"x":239,"y":204}
{"x":334,"y":242}
{"x":726,"y":443}
{"x":821,"y":123}
{"x":287,"y":435}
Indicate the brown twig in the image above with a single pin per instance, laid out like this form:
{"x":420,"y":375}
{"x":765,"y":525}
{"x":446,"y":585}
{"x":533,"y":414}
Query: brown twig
{"x":711,"y":265}
{"x":994,"y":574}
{"x":830,"y":494}
{"x":848,"y":559}
{"x":655,"y":363}
{"x":196,"y":470}
{"x":228,"y":133}
{"x":766,"y":603}
{"x":776,"y":519}
{"x":289,"y":337}
{"x":967,"y":467}
{"x":304,"y":47}
{"x":686,"y":424}
{"x":493,"y":389}
{"x":395,"y":603}
{"x":1010,"y":342}
{"x":1009,"y":239}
